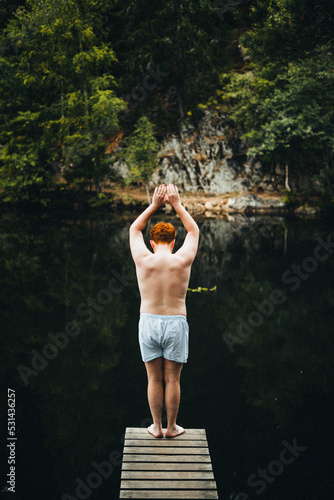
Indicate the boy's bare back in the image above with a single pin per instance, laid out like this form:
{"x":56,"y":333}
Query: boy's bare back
{"x":163,"y":281}
{"x":163,"y":277}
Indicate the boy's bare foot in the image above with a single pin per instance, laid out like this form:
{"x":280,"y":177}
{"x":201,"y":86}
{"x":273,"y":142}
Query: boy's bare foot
{"x":177,"y":431}
{"x":155,"y":431}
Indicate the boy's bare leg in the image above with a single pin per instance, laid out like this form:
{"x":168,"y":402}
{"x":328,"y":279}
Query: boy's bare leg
{"x":155,"y":394}
{"x":172,"y":374}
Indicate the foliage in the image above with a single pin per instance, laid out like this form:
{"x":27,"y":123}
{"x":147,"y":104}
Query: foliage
{"x":325,"y":188}
{"x":200,"y":289}
{"x":184,"y":40}
{"x":284,"y":31}
{"x":286,"y":114}
{"x":69,"y":61}
{"x":65,"y":106}
{"x":141,"y":152}
{"x":23,"y":179}
{"x":284,"y":109}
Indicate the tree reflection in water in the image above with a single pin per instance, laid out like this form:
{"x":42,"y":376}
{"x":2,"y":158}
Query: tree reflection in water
{"x":277,"y":384}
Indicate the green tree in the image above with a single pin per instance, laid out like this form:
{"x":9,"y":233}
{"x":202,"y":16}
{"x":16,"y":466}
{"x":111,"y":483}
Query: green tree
{"x":282,"y":98}
{"x":287,"y":30}
{"x":183,"y":39}
{"x":286,"y":115}
{"x":65,"y":106}
{"x":141,"y":153}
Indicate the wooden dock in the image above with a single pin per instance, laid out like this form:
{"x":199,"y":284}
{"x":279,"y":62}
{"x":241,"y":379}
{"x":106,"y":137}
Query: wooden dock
{"x":167,"y":468}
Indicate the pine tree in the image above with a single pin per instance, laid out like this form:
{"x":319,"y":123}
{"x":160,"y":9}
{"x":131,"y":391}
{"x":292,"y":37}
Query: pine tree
{"x":141,"y":153}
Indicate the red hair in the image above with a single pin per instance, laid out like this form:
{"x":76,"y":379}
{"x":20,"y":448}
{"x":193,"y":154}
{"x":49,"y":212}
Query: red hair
{"x":163,"y":232}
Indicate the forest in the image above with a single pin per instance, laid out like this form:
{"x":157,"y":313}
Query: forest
{"x":80,"y":78}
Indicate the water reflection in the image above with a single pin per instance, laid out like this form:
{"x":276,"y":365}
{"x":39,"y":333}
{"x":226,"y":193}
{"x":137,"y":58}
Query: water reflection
{"x":275,"y":385}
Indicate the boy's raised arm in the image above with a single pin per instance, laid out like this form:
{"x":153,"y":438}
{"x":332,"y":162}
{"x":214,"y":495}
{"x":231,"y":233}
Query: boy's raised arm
{"x":137,"y":243}
{"x":189,"y":248}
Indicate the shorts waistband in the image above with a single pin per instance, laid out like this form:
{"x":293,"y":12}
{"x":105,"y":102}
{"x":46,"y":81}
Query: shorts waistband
{"x":162,"y":316}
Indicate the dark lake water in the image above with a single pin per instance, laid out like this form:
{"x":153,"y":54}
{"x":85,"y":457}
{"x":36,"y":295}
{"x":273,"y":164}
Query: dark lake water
{"x":259,"y":377}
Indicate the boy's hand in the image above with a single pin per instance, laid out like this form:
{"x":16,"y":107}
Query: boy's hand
{"x":173,"y":196}
{"x":159,"y":196}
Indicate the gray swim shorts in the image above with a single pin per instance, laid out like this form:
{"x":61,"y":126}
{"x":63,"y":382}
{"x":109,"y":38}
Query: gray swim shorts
{"x":164,"y":335}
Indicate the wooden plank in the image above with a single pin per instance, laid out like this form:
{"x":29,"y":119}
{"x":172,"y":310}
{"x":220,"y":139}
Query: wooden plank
{"x":174,"y":494}
{"x":165,"y":458}
{"x":168,"y":485}
{"x":180,"y":475}
{"x":166,"y":443}
{"x":166,"y":466}
{"x":164,"y":450}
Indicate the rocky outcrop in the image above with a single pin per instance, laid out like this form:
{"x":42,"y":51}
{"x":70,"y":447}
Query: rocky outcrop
{"x":248,"y":204}
{"x":211,"y":158}
{"x":252,"y":203}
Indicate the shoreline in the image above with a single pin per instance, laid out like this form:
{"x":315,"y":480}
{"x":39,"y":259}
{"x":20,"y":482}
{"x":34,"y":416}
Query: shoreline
{"x":207,"y":205}
{"x":223,"y":205}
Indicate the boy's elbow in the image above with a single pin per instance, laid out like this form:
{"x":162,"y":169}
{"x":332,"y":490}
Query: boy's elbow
{"x":196,"y":229}
{"x":133,"y":229}
{"x":194,"y":233}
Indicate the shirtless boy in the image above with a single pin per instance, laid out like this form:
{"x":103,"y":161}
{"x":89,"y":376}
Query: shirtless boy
{"x":163,"y":279}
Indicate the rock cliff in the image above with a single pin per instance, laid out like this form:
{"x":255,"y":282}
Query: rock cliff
{"x":211,"y":158}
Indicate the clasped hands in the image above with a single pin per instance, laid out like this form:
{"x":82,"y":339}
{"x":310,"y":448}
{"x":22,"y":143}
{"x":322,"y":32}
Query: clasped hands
{"x":163,"y":194}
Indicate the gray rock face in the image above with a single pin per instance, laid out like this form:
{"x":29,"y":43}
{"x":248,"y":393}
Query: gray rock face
{"x":211,"y":158}
{"x":203,"y":159}
{"x":254,"y":201}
